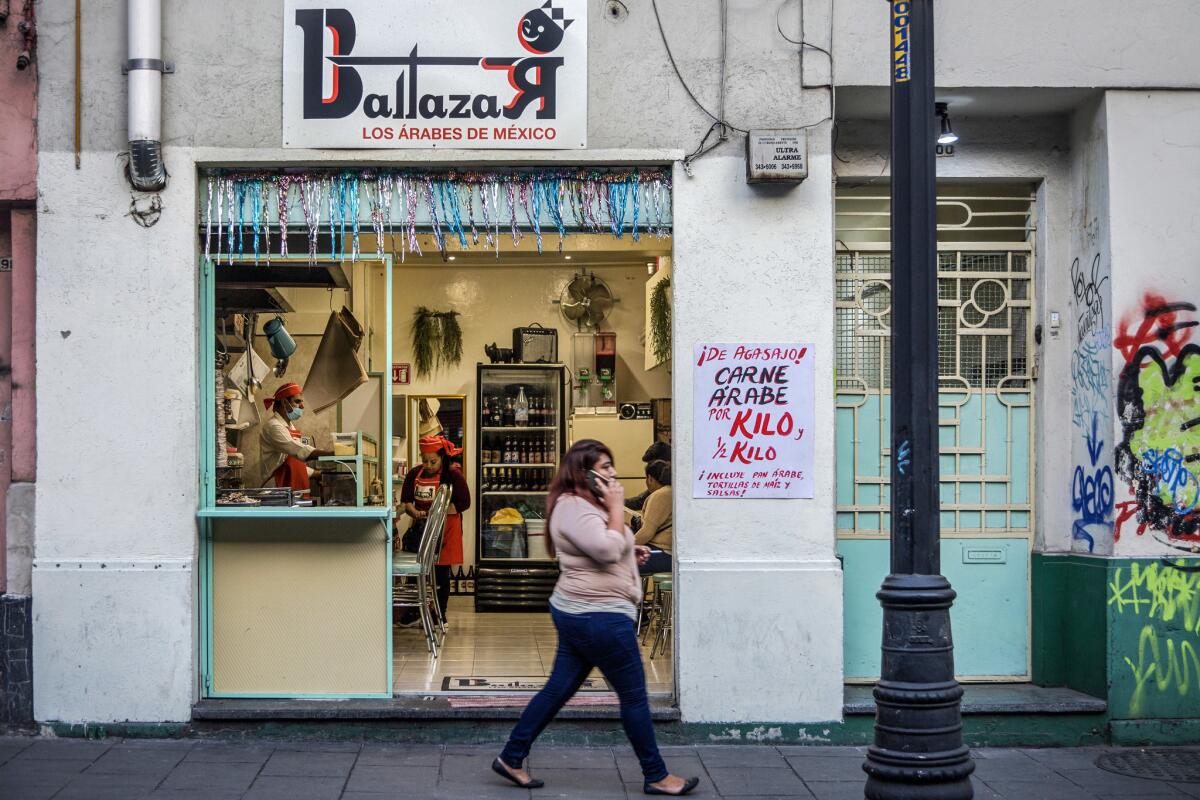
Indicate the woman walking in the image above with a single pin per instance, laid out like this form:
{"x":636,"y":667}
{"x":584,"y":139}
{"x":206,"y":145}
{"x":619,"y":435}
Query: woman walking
{"x":594,"y":609}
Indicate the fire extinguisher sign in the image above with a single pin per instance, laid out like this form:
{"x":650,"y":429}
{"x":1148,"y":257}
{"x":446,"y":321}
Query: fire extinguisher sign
{"x":401,"y":374}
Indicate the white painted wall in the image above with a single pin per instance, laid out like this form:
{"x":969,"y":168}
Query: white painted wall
{"x":1154,"y":162}
{"x":1087,"y":329}
{"x":1031,"y":43}
{"x":759,"y":614}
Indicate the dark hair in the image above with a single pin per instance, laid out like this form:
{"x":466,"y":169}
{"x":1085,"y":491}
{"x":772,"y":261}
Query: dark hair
{"x":659,"y":451}
{"x":660,"y":471}
{"x":572,"y":478}
{"x":447,"y":465}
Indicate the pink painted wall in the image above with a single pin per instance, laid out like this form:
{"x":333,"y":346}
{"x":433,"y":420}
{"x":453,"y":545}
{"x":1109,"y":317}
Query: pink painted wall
{"x":18,"y":115}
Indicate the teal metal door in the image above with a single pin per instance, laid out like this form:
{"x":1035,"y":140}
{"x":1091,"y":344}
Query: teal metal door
{"x":985,"y":320}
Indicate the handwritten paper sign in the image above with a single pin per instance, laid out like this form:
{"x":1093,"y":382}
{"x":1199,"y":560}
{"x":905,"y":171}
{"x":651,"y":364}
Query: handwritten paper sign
{"x":752,"y":420}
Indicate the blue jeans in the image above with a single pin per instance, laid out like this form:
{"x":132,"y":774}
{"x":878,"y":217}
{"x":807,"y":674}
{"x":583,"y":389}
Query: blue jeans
{"x":585,"y":641}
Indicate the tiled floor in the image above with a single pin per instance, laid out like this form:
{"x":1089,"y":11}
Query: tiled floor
{"x":493,"y":645}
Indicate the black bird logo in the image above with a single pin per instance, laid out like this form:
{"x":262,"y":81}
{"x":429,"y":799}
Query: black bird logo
{"x":541,"y":30}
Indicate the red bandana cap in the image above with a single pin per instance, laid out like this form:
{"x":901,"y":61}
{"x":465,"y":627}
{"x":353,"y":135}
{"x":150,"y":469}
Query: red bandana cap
{"x":432,"y":444}
{"x":282,"y":393}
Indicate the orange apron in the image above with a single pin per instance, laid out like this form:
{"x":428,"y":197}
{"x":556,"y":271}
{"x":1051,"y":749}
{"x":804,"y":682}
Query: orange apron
{"x":292,"y":472}
{"x":424,"y":489}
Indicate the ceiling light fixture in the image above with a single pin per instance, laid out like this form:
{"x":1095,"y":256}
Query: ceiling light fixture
{"x":451,"y":258}
{"x":567,"y":257}
{"x":947,"y":135}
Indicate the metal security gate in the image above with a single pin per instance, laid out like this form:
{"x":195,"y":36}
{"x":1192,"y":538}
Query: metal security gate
{"x":985,"y":358}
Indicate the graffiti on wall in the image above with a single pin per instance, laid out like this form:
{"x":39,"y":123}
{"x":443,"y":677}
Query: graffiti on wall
{"x":1158,"y":405}
{"x":1158,"y":605}
{"x":1092,"y":486}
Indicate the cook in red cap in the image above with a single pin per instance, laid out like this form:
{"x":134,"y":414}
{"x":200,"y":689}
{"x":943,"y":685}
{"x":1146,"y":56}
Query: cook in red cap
{"x":283,"y":454}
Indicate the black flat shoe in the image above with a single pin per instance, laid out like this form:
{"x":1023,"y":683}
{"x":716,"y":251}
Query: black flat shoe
{"x":688,"y":785}
{"x":533,"y":783}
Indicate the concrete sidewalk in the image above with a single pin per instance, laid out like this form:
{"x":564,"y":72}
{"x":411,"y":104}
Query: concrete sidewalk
{"x":205,"y":769}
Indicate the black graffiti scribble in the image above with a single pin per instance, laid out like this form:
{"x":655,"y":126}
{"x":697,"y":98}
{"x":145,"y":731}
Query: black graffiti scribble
{"x":1088,"y":297}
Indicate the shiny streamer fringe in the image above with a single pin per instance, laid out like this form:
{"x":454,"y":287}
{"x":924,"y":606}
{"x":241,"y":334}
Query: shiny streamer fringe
{"x":241,"y":206}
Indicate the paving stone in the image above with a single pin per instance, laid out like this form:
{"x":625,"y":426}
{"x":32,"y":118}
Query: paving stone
{"x":1125,"y":795}
{"x":686,"y":766}
{"x":985,"y":792}
{"x":741,"y":756}
{"x":1097,"y":780}
{"x":1014,"y":769}
{"x":11,"y":746}
{"x":828,"y":769}
{"x":19,"y":769}
{"x":192,"y":794}
{"x":276,"y":787}
{"x":1067,"y":758}
{"x":319,"y":747}
{"x":839,"y":790}
{"x":739,"y":781}
{"x":823,"y":752}
{"x":1190,"y":789}
{"x":571,"y":758}
{"x":67,"y":749}
{"x":1061,"y":789}
{"x":35,"y":786}
{"x":101,"y":786}
{"x":210,"y":776}
{"x":397,"y":781}
{"x":229,"y":753}
{"x":309,"y":764}
{"x":480,"y":791}
{"x":140,"y":761}
{"x":584,"y":784}
{"x":380,"y":755}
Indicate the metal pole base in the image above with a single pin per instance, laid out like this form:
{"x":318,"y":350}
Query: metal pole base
{"x":918,"y":752}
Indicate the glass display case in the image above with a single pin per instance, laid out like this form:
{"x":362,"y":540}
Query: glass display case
{"x":521,"y":421}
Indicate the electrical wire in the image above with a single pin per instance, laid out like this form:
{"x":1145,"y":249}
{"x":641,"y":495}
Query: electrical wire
{"x":670,"y":57}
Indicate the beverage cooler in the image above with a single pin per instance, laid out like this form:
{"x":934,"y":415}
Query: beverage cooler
{"x":521,"y":421}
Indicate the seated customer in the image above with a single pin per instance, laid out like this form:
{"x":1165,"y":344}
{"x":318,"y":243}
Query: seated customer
{"x":659,"y":451}
{"x":656,"y":519}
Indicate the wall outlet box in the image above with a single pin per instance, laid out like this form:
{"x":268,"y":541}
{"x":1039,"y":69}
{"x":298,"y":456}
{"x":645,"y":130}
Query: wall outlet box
{"x":777,"y":156}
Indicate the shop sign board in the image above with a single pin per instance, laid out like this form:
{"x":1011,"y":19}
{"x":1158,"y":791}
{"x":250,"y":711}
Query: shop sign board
{"x":401,"y":374}
{"x":752,"y":417}
{"x":477,"y":74}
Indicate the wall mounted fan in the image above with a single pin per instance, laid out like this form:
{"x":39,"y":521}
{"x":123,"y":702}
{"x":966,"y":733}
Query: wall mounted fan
{"x":586,"y":301}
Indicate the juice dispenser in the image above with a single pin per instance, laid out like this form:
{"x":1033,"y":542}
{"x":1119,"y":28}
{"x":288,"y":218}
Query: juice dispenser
{"x":583,"y":360}
{"x":606,"y":371}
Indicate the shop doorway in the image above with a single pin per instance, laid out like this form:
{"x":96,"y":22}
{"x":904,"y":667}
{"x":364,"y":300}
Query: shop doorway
{"x":584,"y":315}
{"x":986,"y":267}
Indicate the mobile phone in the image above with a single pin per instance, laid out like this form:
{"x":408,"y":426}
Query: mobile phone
{"x":595,"y":481}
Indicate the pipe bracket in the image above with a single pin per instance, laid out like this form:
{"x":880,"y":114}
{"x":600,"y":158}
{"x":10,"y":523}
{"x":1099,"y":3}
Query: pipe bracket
{"x":156,"y":64}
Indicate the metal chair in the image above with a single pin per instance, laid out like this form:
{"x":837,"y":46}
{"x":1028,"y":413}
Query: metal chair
{"x":663,"y":589}
{"x":414,"y":581}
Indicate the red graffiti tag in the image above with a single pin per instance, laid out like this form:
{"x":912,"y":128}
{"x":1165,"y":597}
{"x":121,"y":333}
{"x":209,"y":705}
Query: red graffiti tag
{"x":1160,"y":323}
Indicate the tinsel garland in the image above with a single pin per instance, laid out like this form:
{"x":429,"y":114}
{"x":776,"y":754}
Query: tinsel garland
{"x":238,"y":207}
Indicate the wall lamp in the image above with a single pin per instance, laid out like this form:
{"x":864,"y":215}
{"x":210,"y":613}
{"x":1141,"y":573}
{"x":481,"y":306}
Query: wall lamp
{"x":947,"y":135}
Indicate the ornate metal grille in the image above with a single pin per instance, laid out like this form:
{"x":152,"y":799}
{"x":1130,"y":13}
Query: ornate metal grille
{"x":985,"y":327}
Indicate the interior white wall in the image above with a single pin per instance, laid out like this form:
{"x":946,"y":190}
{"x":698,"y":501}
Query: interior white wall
{"x":1075,"y":43}
{"x":1153,"y":164}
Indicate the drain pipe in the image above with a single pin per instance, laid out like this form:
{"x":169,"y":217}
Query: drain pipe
{"x":145,"y":70}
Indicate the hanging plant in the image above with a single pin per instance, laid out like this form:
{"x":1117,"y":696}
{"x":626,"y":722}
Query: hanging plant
{"x":436,"y":339}
{"x":660,"y":321}
{"x":450,"y":352}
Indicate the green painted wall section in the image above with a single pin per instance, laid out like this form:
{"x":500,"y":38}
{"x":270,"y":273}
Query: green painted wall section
{"x":989,"y":620}
{"x":1127,"y":630}
{"x":1070,"y":622}
{"x":1154,"y":639}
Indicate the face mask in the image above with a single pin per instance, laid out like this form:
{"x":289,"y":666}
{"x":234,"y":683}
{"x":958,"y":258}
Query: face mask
{"x":295,"y":414}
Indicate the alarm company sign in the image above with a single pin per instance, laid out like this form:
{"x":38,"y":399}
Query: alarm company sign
{"x":422,"y":73}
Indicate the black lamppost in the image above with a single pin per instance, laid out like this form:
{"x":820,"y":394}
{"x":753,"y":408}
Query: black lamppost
{"x":918,"y":752}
